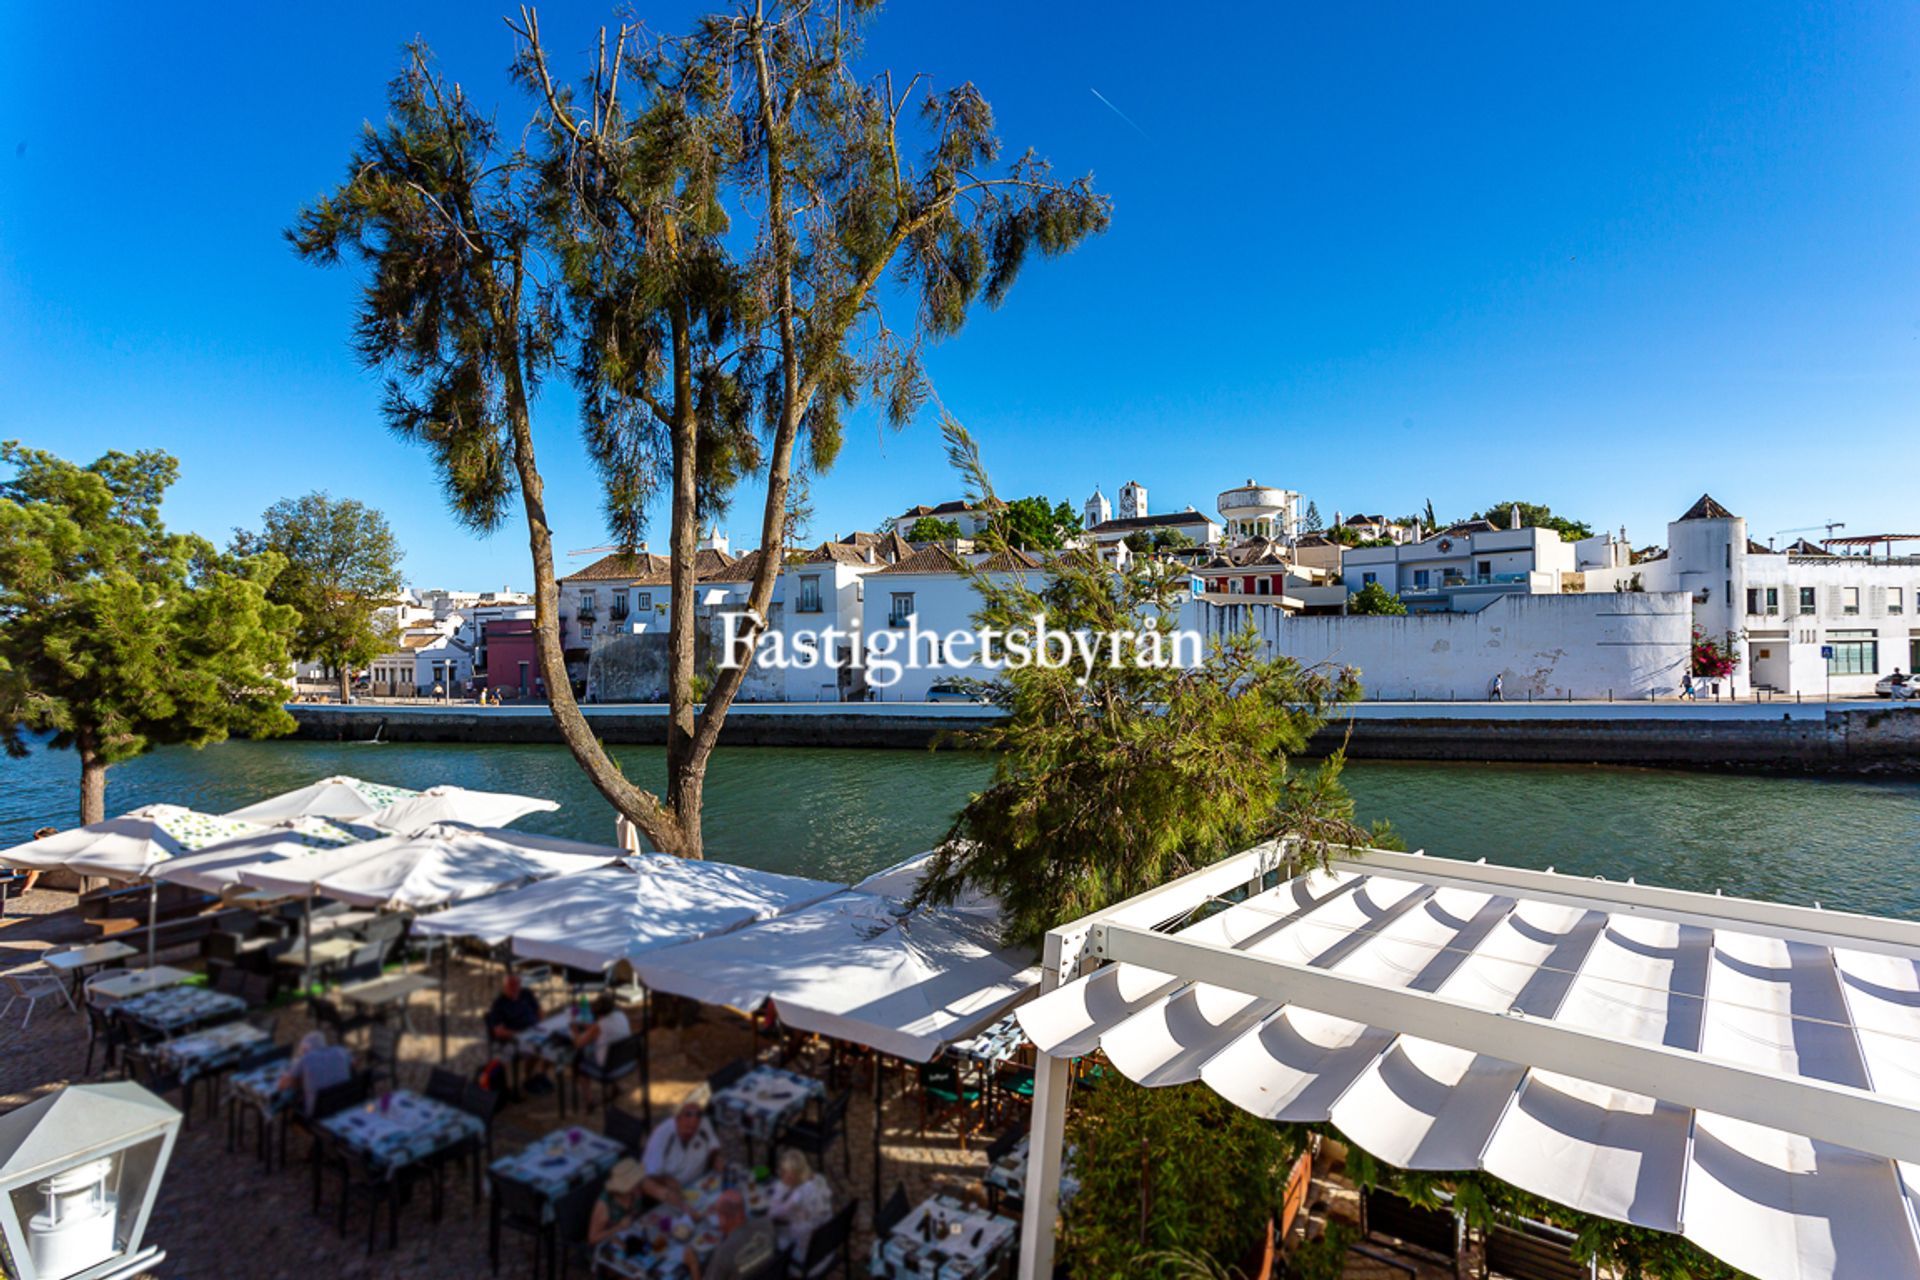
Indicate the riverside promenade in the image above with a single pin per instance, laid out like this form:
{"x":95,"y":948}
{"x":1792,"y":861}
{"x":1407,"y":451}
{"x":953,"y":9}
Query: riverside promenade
{"x":1843,"y":736}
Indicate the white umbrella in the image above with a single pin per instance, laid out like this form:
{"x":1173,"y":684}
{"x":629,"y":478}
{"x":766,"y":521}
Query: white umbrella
{"x":130,"y":846}
{"x":593,"y":919}
{"x":218,"y":867}
{"x":337,"y":797}
{"x":458,"y":804}
{"x":444,"y":863}
{"x":860,"y":968}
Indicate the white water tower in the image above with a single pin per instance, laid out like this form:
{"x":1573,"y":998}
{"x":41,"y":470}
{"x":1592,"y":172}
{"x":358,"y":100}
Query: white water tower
{"x":1259,"y":511}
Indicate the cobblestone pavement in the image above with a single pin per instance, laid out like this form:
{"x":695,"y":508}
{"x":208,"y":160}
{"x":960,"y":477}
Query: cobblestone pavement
{"x":221,"y":1214}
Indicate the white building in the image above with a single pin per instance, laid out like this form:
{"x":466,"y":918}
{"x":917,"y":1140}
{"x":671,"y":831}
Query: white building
{"x":1806,"y":621}
{"x":1465,"y":568}
{"x":1106,"y":530}
{"x":1260,"y":511}
{"x":972,"y":521}
{"x":929,"y":589}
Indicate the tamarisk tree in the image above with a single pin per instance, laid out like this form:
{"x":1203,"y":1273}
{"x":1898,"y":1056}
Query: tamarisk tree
{"x":605,"y":241}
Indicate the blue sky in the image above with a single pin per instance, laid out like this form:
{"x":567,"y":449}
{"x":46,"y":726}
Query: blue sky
{"x":1603,"y":259}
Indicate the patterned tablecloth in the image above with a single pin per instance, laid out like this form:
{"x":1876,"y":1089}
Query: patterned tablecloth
{"x":211,"y":1050}
{"x":998,"y":1043}
{"x":561,"y":1161}
{"x":763,"y":1100}
{"x":173,"y":1009}
{"x":959,"y":1243}
{"x":653,"y":1248}
{"x":401,"y":1128}
{"x":260,"y":1088}
{"x":548,"y":1039}
{"x":1009,"y":1173}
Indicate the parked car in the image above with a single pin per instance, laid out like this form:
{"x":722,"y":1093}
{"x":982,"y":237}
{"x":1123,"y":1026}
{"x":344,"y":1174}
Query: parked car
{"x":952,"y":691}
{"x":1899,"y":686}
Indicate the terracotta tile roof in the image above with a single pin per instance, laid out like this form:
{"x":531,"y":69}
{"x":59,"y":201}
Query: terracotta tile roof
{"x":1167,"y":521}
{"x":712,"y":566}
{"x":934,"y":559}
{"x":836,"y":553}
{"x":641,"y":566}
{"x":895,"y":548}
{"x":1707,"y":509}
{"x":1011,"y":560}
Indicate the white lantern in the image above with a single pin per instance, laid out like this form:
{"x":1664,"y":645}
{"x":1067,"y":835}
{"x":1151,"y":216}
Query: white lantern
{"x":79,"y":1170}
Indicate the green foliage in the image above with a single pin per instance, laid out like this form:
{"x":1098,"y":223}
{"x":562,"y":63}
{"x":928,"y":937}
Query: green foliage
{"x":1322,"y":1258}
{"x":1174,"y":1182}
{"x":933,"y":529}
{"x":116,"y":636}
{"x":1140,"y":542}
{"x":1110,"y":783}
{"x":1715,"y":659}
{"x":1374,"y":600}
{"x":1344,"y":536}
{"x":1171,"y":540}
{"x":1310,"y":521}
{"x":1534,"y":516}
{"x":341,"y":566}
{"x":1034,"y":524}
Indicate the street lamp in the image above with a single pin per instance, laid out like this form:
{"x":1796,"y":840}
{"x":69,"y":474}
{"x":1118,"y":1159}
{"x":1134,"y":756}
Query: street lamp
{"x":79,"y":1170}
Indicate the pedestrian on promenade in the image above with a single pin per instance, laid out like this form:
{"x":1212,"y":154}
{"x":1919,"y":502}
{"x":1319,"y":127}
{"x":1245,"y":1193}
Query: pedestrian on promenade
{"x":1497,"y":691}
{"x":1686,"y":688}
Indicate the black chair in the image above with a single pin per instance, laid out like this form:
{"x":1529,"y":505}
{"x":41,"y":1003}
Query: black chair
{"x":364,"y":964}
{"x":522,"y":1209}
{"x":335,"y":1097}
{"x":627,"y":1129}
{"x":108,"y":1035}
{"x":256,"y":989}
{"x":893,"y":1212}
{"x":1385,"y":1214}
{"x":383,"y":1053}
{"x":228,"y":980}
{"x":622,"y":1061}
{"x":817,"y":1136}
{"x":1528,"y":1250}
{"x":943,"y":1093}
{"x":328,"y":1016}
{"x":446,"y":1086}
{"x":828,"y":1244}
{"x":728,"y":1076}
{"x":572,"y":1216}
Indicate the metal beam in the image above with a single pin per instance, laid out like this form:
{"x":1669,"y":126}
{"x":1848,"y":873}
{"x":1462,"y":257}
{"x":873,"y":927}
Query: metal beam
{"x":1850,"y":1117}
{"x":1709,"y":910}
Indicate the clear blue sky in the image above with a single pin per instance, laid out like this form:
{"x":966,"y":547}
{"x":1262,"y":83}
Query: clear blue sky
{"x":1377,"y":254}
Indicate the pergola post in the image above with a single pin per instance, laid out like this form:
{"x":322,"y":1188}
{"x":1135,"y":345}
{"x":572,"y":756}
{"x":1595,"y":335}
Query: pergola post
{"x":1046,"y":1149}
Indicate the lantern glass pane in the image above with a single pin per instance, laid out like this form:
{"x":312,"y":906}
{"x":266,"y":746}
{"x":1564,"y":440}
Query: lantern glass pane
{"x":85,"y":1214}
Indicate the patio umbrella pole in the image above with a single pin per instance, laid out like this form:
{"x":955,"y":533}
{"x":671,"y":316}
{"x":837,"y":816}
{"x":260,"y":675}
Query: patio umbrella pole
{"x":446,"y":945}
{"x":306,"y":965}
{"x":646,"y":1056}
{"x":879,"y":1109}
{"x":153,"y":916}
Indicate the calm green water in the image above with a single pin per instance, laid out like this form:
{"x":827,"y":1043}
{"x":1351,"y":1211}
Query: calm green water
{"x":1849,"y":843}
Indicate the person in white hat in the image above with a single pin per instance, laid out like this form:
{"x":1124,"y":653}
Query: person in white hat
{"x":681,"y":1150}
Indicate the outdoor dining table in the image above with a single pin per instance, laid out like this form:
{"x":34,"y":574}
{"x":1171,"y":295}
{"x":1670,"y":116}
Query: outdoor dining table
{"x":323,"y":925}
{"x":200,"y":1053}
{"x":561,"y":1162}
{"x":175,"y":1009}
{"x":77,"y":960}
{"x":944,"y":1239}
{"x":653,"y":1248}
{"x":763,"y":1100}
{"x":394,"y":989}
{"x":259,"y":1090}
{"x":324,"y":952}
{"x":401,"y":1128}
{"x":135,"y":982}
{"x":1008,"y":1174}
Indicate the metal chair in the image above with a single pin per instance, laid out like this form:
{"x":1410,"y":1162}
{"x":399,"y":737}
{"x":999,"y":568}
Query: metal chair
{"x":627,"y":1129}
{"x":622,"y":1061}
{"x":828,"y":1244}
{"x":33,"y":988}
{"x":893,"y":1212}
{"x":728,"y":1076}
{"x":816,"y":1137}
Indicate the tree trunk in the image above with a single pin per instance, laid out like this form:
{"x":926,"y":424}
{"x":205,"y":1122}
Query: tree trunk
{"x":346,"y":683}
{"x":93,"y":783}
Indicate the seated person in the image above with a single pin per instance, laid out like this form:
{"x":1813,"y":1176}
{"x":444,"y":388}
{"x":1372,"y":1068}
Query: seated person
{"x":745,"y":1249}
{"x":680,"y":1151}
{"x":621,"y":1202}
{"x":316,"y":1064}
{"x":515,"y":1010}
{"x":800,"y":1201}
{"x":609,"y":1027}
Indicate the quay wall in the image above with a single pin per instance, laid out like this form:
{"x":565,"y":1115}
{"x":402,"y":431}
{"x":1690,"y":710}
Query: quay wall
{"x":1839,"y":737}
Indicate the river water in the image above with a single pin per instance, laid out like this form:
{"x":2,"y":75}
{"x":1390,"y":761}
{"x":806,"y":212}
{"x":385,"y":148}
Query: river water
{"x":1850,"y":843}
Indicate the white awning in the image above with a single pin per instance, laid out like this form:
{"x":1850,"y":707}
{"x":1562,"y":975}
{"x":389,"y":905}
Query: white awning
{"x":1743,"y":1073}
{"x":217,"y":867}
{"x":858,"y":967}
{"x":337,"y":797}
{"x":458,"y":804}
{"x":441,"y":864}
{"x":130,"y":846}
{"x":592,"y":919}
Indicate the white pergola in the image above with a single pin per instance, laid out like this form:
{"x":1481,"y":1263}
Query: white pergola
{"x":1744,"y":1073}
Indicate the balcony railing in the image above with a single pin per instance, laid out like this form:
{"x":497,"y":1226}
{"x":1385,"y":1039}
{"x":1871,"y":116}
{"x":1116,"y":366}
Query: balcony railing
{"x":585,"y":613}
{"x":1454,"y":581}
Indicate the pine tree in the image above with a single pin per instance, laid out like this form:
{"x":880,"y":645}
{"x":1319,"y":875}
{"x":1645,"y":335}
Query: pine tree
{"x":116,"y":636}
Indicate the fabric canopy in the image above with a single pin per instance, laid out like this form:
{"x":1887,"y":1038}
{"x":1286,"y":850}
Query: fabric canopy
{"x":444,"y":863}
{"x":217,"y":867}
{"x":458,"y":804}
{"x":130,"y":846}
{"x":1778,"y":1002}
{"x":337,"y":797}
{"x":858,"y":967}
{"x":592,"y":919}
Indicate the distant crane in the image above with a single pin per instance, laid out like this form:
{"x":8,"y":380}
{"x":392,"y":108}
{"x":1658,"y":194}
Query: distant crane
{"x":1829,"y":526}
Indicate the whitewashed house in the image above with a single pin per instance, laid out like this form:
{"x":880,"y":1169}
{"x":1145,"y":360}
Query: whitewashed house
{"x":926,"y":598}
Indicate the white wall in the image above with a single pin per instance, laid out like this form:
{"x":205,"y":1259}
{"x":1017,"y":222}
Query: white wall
{"x":1553,"y":646}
